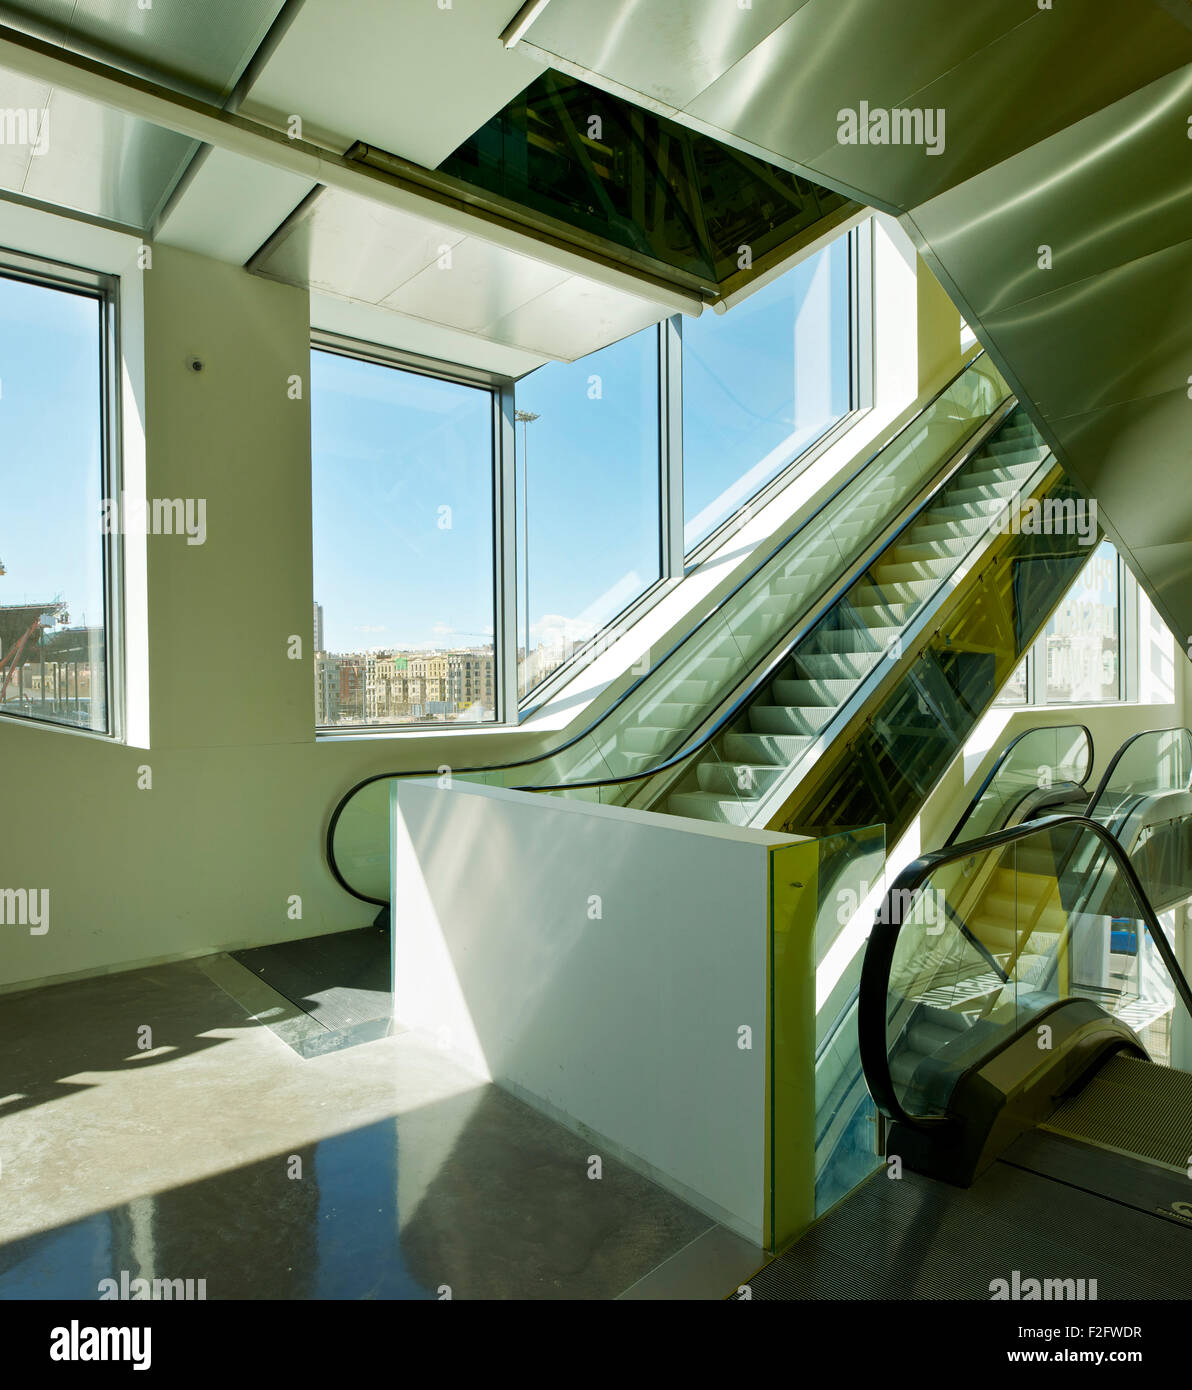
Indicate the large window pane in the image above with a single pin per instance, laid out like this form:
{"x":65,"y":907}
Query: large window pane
{"x":1081,"y":648}
{"x":402,"y":468}
{"x":761,"y":383}
{"x":53,"y":619}
{"x":588,"y":514}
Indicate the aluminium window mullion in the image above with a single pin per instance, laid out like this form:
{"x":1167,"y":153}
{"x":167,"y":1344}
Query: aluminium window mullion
{"x":505,"y":554}
{"x":670,"y":446}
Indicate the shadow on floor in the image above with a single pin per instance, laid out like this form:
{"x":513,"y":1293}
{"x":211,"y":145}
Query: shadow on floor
{"x":476,"y":1196}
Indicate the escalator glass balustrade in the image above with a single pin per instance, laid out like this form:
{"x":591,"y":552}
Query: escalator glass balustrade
{"x":661,"y":710}
{"x":1038,"y":771}
{"x":1003,"y":973}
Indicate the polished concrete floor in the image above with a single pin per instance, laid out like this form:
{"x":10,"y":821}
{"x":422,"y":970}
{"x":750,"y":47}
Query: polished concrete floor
{"x":222,"y":1154}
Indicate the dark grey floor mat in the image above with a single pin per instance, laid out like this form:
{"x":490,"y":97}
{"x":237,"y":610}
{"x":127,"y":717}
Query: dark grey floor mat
{"x":342,"y":981}
{"x":915,"y":1237}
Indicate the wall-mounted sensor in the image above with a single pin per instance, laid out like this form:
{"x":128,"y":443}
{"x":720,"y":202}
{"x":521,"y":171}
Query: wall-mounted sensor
{"x":195,"y":364}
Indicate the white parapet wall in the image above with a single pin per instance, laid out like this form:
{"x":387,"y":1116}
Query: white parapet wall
{"x":610,"y":966}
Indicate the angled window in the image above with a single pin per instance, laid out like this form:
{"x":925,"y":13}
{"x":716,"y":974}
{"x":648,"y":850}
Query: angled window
{"x":762,"y":383}
{"x":1081,"y":645}
{"x":402,"y":469}
{"x":589,"y":503}
{"x":58,"y":545}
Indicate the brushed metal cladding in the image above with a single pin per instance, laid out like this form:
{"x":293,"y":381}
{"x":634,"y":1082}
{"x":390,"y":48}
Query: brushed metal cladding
{"x":199,"y":49}
{"x":786,"y":94}
{"x":989,"y":229}
{"x":1026,"y":85}
{"x":105,"y":163}
{"x":667,"y":51}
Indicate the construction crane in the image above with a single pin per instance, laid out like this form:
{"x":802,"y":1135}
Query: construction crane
{"x":20,"y":624}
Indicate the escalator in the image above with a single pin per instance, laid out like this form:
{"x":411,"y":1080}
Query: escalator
{"x":1145,"y":799}
{"x":1027,"y":1062}
{"x":1142,"y":799}
{"x":1041,"y":772}
{"x":891,"y":618}
{"x":654,"y":723}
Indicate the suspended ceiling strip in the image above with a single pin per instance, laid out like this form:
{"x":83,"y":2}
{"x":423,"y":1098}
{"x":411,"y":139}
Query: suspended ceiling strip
{"x":238,"y":135}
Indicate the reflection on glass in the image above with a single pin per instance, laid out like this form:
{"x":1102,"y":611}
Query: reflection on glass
{"x":588,"y":492}
{"x":632,"y":178}
{"x":1014,"y":692}
{"x":1156,"y":655}
{"x":402,"y":471}
{"x":53,"y":620}
{"x":887,"y":771}
{"x":1081,"y":642}
{"x":994,"y":939}
{"x":1040,"y":760}
{"x":761,"y":383}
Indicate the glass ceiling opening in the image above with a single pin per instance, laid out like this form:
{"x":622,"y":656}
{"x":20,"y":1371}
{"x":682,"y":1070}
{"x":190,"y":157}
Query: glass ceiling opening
{"x":640,"y":183}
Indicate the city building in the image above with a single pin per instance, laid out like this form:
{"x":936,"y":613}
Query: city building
{"x":727,"y":833}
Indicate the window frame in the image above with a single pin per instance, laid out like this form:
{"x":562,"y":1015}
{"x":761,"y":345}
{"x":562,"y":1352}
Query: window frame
{"x":861,"y":373}
{"x":1035,"y":657}
{"x":104,"y":289}
{"x":676,"y":561}
{"x":500,"y":391}
{"x":513,"y":707}
{"x":670,"y":512}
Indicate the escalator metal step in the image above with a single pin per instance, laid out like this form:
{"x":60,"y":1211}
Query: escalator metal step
{"x":1132,"y":1107}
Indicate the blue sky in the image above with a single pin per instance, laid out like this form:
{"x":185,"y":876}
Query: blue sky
{"x":761,"y":383}
{"x":389,"y":450}
{"x":50,"y":449}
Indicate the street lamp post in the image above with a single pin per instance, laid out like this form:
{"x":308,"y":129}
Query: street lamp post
{"x":526,"y":417}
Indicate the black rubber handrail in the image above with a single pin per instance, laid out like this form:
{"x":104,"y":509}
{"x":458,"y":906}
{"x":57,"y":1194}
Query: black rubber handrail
{"x":997,"y":767}
{"x":956,"y":461}
{"x":1117,"y":757}
{"x":879,"y":953}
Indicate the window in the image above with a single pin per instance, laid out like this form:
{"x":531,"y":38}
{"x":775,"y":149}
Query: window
{"x":1016,"y":689}
{"x":475,"y":535}
{"x":402,"y":470}
{"x":1080,"y":644}
{"x":1104,"y":643}
{"x":589,"y":501}
{"x":57,"y":541}
{"x":763,"y":382}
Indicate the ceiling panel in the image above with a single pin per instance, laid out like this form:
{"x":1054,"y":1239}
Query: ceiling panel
{"x":231,"y":207}
{"x":88,"y":158}
{"x":350,"y":246}
{"x":197,"y":48}
{"x":667,"y":51}
{"x":19,"y":93}
{"x":369,"y":324}
{"x":575,"y":318}
{"x":353,"y":248}
{"x":476,"y":288}
{"x":413,"y":79}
